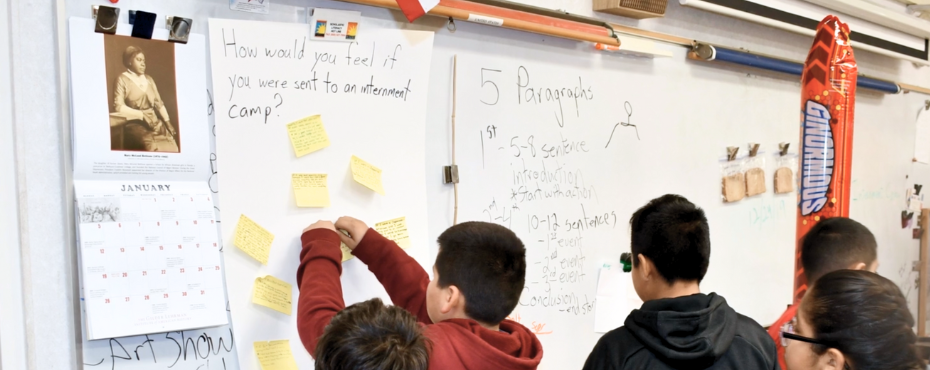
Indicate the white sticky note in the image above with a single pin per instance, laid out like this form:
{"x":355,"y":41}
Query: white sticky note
{"x":616,"y":298}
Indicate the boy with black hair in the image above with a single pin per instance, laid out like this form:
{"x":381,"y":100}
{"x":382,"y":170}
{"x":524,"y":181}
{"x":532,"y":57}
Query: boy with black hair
{"x":479,"y":275}
{"x":677,"y":326}
{"x":364,"y":336}
{"x":837,"y":243}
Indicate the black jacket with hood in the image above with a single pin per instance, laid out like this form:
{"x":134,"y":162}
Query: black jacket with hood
{"x":692,"y":332}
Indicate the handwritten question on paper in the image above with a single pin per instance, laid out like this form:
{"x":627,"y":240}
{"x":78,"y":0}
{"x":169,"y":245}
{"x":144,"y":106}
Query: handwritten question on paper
{"x":357,"y":68}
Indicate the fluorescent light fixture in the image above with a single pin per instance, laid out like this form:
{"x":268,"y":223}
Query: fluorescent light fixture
{"x":879,"y":15}
{"x":912,"y":48}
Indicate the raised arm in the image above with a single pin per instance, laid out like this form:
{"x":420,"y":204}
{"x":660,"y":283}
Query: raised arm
{"x":402,"y":277}
{"x":318,"y":282}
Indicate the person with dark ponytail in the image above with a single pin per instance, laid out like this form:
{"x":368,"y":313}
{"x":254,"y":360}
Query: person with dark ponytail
{"x":853,"y":320}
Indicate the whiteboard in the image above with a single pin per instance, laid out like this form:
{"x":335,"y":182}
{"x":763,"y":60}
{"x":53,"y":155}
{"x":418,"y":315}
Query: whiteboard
{"x":686,"y":112}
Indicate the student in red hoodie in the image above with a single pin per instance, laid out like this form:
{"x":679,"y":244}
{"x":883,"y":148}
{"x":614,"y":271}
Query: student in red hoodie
{"x":479,"y":275}
{"x":837,"y":243}
{"x":364,"y":336}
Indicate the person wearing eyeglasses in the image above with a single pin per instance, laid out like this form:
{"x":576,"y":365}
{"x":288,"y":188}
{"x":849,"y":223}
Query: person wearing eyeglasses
{"x":678,"y":327}
{"x":836,"y":243}
{"x":852,"y":320}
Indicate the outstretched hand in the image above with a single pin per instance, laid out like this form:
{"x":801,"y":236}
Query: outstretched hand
{"x":355,"y":229}
{"x":321,"y":224}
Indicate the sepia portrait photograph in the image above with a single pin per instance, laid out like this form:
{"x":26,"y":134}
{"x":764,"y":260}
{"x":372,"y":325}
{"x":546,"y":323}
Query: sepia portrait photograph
{"x":142,"y":95}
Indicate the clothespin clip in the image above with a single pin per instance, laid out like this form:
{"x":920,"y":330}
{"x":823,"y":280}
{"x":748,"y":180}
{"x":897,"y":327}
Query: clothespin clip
{"x":753,"y":149}
{"x":783,"y":148}
{"x":626,"y":259}
{"x":107,"y":18}
{"x":926,"y":104}
{"x":179,"y":28}
{"x":731,"y":152}
{"x":143,"y":24}
{"x":917,"y":188}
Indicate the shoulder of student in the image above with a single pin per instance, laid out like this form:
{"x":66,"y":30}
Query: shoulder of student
{"x":613,"y":350}
{"x":750,"y":333}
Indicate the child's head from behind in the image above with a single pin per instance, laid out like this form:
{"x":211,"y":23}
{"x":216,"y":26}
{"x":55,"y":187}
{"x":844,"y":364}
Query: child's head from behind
{"x":835,"y":244}
{"x":371,"y":336}
{"x":670,"y":241}
{"x":853,"y":320}
{"x":479,"y":273}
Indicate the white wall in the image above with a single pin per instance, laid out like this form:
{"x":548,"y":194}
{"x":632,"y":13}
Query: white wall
{"x":12,"y":346}
{"x":42,"y":149}
{"x":44,"y":329}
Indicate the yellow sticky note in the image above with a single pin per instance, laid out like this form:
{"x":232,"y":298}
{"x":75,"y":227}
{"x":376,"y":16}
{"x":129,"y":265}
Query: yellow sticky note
{"x":346,"y":252}
{"x":307,"y":135}
{"x":310,"y":189}
{"x":367,"y":174}
{"x":275,"y":355}
{"x":273,"y":293}
{"x":395,"y":230}
{"x":253,"y":239}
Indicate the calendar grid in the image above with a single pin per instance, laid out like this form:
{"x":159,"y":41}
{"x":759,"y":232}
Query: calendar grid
{"x":150,"y":260}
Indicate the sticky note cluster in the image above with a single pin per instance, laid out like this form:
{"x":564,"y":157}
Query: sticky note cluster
{"x":253,"y":239}
{"x":367,"y":174}
{"x":395,"y":230}
{"x":273,"y":293}
{"x":310,"y":189}
{"x":275,"y":355}
{"x":307,"y":135}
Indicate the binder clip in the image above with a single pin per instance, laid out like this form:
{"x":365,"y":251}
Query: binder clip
{"x":179,"y":29}
{"x":107,"y":18}
{"x":783,"y":149}
{"x":626,"y":259}
{"x":143,"y":23}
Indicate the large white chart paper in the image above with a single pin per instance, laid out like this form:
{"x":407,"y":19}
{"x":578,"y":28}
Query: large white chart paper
{"x":150,"y":257}
{"x":371,"y":99}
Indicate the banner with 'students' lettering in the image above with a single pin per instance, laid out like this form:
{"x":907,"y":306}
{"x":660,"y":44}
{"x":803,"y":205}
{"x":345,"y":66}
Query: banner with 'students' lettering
{"x":828,"y":99}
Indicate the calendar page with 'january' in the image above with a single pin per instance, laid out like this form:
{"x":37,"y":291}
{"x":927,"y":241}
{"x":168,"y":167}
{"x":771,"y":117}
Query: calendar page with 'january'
{"x":149,"y":257}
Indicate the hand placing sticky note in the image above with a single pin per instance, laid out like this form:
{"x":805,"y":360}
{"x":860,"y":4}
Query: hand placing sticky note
{"x":395,"y":230}
{"x":346,"y":252}
{"x":367,"y":174}
{"x":275,"y":355}
{"x":310,"y":189}
{"x":253,"y":239}
{"x":307,"y":135}
{"x":273,"y":293}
